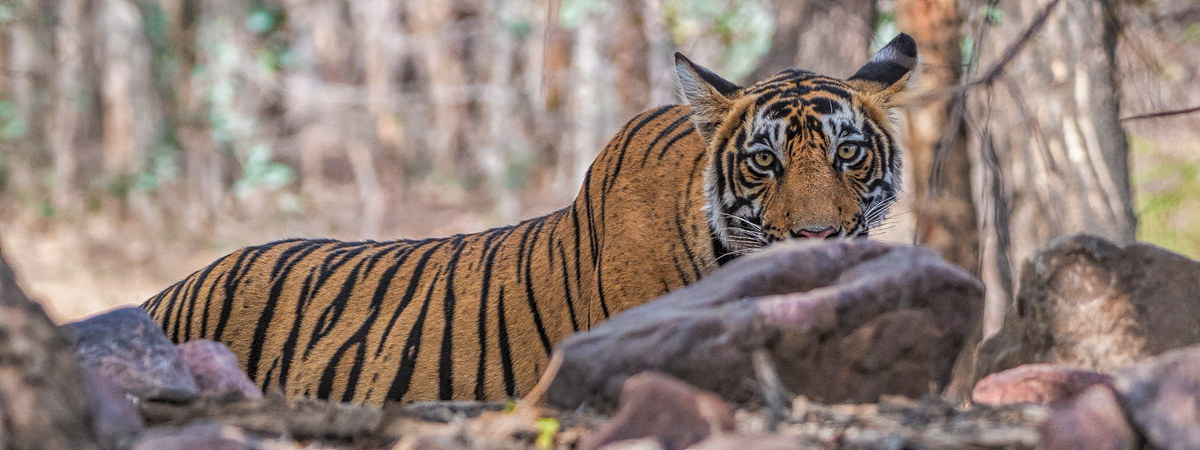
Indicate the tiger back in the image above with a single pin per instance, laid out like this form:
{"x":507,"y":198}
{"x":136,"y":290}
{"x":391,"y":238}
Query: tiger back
{"x":677,"y":192}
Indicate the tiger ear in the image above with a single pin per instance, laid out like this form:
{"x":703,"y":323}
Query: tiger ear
{"x":709,"y":95}
{"x":890,"y":71}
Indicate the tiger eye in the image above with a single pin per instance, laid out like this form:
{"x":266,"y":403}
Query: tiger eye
{"x":764,"y":159}
{"x":848,"y":152}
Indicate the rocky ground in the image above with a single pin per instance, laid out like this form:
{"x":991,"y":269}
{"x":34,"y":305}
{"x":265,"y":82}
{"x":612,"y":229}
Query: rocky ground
{"x":850,"y":344}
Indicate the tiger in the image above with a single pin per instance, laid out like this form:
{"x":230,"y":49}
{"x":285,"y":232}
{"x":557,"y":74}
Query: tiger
{"x":679,"y":191}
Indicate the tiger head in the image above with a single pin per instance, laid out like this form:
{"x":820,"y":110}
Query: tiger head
{"x":799,"y":155}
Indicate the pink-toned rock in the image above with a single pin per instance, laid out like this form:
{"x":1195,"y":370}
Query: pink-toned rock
{"x":1035,"y":383}
{"x":216,"y":370}
{"x":194,"y":437}
{"x":673,"y":413}
{"x":128,"y":347}
{"x":115,"y":417}
{"x":1092,"y":420}
{"x":1162,"y":395}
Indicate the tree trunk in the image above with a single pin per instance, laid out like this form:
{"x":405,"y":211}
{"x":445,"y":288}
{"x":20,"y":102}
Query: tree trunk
{"x":43,"y":404}
{"x":827,"y":37}
{"x":940,"y":184}
{"x":1052,"y":121}
{"x":630,"y":63}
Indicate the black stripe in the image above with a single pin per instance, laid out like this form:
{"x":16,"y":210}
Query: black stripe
{"x":686,"y":250}
{"x":231,"y":284}
{"x":191,"y":299}
{"x":611,"y":178}
{"x":413,"y":281}
{"x":359,"y":338}
{"x":445,"y":362}
{"x":178,"y":323}
{"x":488,"y":254}
{"x":510,"y":387}
{"x":167,"y":323}
{"x":526,"y":254}
{"x":578,"y":272}
{"x":412,"y":346}
{"x":288,"y":351}
{"x":682,"y":134}
{"x":662,"y":134}
{"x":212,"y":288}
{"x":562,"y":259}
{"x":280,"y":273}
{"x":328,"y":318}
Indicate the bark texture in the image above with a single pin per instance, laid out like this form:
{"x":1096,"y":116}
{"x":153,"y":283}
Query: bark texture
{"x":827,"y":37}
{"x":43,"y":402}
{"x":1052,"y":127}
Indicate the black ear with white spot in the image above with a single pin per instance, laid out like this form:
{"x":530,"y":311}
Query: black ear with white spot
{"x":892,"y":66}
{"x":709,"y":95}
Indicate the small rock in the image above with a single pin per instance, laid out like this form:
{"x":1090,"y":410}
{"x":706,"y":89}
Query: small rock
{"x":129,"y":348}
{"x":216,"y":370}
{"x":1092,"y":420}
{"x":115,"y":416}
{"x":755,"y":442}
{"x":1035,"y":383}
{"x":1088,"y":303}
{"x":1162,"y":394}
{"x":654,"y":405}
{"x":201,"y":436}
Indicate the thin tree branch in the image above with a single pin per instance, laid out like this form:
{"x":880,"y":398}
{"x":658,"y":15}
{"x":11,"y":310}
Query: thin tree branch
{"x":993,"y":72}
{"x":1159,"y":114}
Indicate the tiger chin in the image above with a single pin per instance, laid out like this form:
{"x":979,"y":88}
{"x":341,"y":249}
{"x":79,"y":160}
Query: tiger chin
{"x":679,"y":191}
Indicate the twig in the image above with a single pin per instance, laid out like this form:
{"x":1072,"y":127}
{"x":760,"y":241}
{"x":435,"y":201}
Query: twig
{"x":772,"y":389}
{"x":1155,"y":115}
{"x":1011,"y":52}
{"x":537,"y":394}
{"x":997,"y":68}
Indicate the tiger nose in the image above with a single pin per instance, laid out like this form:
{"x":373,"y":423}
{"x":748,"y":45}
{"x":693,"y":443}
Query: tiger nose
{"x":814,"y":232}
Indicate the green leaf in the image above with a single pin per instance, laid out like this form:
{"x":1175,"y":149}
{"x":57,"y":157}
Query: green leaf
{"x":546,"y":429}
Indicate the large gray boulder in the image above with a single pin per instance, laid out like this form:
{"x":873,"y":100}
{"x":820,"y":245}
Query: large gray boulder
{"x":1087,"y":303}
{"x":842,"y":321}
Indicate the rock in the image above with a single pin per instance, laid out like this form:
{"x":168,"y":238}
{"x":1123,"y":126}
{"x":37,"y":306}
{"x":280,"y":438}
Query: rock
{"x":216,"y":370}
{"x":43,"y":401}
{"x":200,"y":436}
{"x":1162,"y":395}
{"x":1092,"y":420}
{"x":658,"y":406}
{"x":757,"y":442}
{"x":1088,"y":303}
{"x":843,"y":321}
{"x":129,"y":348}
{"x":116,"y":417}
{"x":1035,"y":383}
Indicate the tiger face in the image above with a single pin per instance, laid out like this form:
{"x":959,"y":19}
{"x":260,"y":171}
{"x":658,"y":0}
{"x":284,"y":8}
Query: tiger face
{"x":799,"y":155}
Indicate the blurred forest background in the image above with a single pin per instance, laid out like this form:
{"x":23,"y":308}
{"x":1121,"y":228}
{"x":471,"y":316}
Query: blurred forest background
{"x":141,"y":139}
